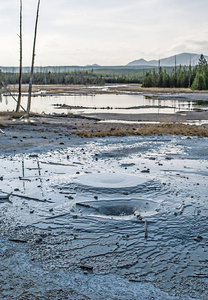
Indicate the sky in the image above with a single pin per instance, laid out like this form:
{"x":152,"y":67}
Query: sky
{"x":104,"y":32}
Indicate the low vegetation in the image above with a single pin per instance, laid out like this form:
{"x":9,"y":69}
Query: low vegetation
{"x":151,"y":129}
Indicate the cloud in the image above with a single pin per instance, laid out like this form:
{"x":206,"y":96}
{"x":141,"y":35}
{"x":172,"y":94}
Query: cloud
{"x":106,"y":32}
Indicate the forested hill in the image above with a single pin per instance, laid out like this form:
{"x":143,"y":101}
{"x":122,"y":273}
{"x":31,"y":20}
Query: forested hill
{"x":193,"y":77}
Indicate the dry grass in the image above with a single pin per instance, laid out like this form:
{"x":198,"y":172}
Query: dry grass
{"x":155,"y":129}
{"x":83,"y":89}
{"x":2,"y":124}
{"x":14,"y":115}
{"x":11,"y":115}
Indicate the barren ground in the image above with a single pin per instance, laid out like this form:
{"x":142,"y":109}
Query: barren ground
{"x":116,"y":217}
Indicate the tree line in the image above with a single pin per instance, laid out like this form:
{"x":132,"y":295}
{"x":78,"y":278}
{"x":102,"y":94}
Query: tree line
{"x":75,"y":77}
{"x":195,"y":78}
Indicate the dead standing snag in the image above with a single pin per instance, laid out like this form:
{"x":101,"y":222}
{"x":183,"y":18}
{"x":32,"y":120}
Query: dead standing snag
{"x":33,"y":60}
{"x":20,"y":70}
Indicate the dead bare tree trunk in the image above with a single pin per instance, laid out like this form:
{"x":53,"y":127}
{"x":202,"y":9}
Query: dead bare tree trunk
{"x":11,"y":95}
{"x":33,"y":60}
{"x":20,"y":69}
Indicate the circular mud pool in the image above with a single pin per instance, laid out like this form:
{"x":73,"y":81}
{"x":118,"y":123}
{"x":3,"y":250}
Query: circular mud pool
{"x":119,"y":209}
{"x":111,"y":180}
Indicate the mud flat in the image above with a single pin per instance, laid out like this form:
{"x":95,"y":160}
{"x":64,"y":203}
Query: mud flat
{"x":101,"y":218}
{"x":122,"y":216}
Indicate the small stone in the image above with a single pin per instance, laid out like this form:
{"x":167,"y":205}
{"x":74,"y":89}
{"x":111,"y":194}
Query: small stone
{"x":33,"y":155}
{"x":198,"y":238}
{"x":86,"y":267}
{"x":145,"y":171}
{"x":139,"y":217}
{"x":38,"y":240}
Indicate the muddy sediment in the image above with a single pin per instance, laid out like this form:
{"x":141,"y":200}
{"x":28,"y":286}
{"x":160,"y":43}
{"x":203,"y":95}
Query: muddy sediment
{"x":117,"y":217}
{"x":81,"y":231}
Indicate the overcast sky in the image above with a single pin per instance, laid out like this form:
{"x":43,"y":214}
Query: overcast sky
{"x":105,"y":32}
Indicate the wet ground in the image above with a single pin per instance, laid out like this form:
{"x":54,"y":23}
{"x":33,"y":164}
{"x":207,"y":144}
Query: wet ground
{"x":114,"y":103}
{"x":110,"y":218}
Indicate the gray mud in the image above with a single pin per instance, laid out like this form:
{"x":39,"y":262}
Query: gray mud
{"x":110,"y":218}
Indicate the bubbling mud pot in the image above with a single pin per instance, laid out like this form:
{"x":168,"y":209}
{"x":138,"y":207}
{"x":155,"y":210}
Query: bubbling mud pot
{"x":119,"y":209}
{"x":110,"y":218}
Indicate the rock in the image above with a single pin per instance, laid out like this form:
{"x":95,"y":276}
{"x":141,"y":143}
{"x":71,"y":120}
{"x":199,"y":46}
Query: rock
{"x":86,"y":267}
{"x":33,"y":155}
{"x":198,"y":238}
{"x":139,"y":217}
{"x":145,"y":171}
{"x":38,"y":240}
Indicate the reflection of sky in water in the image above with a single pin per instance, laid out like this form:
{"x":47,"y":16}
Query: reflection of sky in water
{"x":101,"y":103}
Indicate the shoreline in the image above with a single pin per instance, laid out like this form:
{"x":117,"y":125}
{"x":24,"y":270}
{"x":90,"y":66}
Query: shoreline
{"x":108,"y":124}
{"x":106,"y":89}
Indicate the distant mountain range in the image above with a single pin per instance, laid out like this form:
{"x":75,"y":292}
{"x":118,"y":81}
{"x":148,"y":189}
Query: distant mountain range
{"x":181,"y":59}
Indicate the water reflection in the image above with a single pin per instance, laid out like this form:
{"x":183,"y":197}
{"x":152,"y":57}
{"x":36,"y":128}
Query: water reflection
{"x":125,"y":103}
